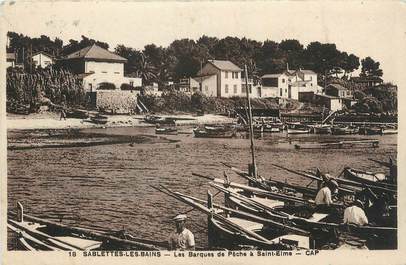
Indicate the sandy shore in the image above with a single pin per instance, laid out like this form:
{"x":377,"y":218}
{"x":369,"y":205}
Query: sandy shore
{"x":51,"y":121}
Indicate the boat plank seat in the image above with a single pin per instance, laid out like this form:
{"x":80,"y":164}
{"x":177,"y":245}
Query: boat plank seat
{"x":81,"y":243}
{"x":267,"y":202}
{"x":299,"y":241}
{"x":317,"y":217}
{"x":248,"y":225}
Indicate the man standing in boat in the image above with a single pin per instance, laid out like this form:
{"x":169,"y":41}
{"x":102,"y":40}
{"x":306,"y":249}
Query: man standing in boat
{"x":323,"y":198}
{"x":181,"y":238}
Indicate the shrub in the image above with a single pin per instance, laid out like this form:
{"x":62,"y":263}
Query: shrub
{"x":106,"y":86}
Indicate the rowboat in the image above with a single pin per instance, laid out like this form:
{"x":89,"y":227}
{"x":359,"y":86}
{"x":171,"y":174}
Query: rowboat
{"x":338,"y":145}
{"x":319,"y":224}
{"x":99,"y":119}
{"x":370,"y":130}
{"x":271,"y":128}
{"x":232,"y":229}
{"x":33,"y":233}
{"x":339,"y":130}
{"x":166,"y":130}
{"x":320,"y":128}
{"x":214,"y":132}
{"x":376,"y":179}
{"x":389,"y":130}
{"x":298,"y":131}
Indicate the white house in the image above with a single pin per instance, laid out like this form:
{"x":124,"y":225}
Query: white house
{"x":220,"y":79}
{"x":96,"y":65}
{"x":290,"y":84}
{"x":42,"y":59}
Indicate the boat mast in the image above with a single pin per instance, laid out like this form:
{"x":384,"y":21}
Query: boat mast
{"x":252,"y":169}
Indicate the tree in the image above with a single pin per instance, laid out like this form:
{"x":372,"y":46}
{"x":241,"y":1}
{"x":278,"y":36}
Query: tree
{"x":349,"y":63}
{"x":370,"y":68}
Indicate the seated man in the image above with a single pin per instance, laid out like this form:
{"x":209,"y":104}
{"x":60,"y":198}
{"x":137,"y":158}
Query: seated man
{"x":181,"y":238}
{"x":355,"y":214}
{"x":323,"y":198}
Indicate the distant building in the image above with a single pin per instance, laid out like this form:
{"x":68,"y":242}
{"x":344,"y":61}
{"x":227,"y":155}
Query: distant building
{"x":95,"y":65}
{"x":42,"y":59}
{"x":290,"y":84}
{"x":220,"y":78}
{"x":187,"y":85}
{"x":338,"y":90}
{"x":331,"y":102}
{"x":367,"y":81}
{"x":10,"y":60}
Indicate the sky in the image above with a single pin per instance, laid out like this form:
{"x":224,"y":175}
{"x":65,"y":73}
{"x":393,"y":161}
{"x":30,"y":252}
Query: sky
{"x":365,"y":28}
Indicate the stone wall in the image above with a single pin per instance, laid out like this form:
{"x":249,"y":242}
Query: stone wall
{"x":117,"y":101}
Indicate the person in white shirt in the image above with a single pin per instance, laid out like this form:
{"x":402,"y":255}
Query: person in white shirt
{"x":324,"y":197}
{"x":181,"y":238}
{"x":355,"y":214}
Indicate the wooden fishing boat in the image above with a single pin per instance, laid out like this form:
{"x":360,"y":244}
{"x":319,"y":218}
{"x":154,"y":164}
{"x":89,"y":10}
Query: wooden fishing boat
{"x":297,"y":128}
{"x":33,"y":233}
{"x":271,"y":128}
{"x":339,"y":144}
{"x":376,"y":179}
{"x":389,"y":130}
{"x":214,"y":132}
{"x":236,"y":230}
{"x":166,"y":130}
{"x":77,"y":114}
{"x":343,"y":130}
{"x":371,"y":130}
{"x":321,"y":129}
{"x":319,"y":224}
{"x":298,"y":131}
{"x":99,"y":119}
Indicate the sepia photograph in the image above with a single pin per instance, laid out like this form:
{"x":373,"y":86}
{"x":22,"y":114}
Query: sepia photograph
{"x":201,"y":129}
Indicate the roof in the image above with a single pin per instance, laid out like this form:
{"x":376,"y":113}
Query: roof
{"x":308,"y":72}
{"x":81,"y":76}
{"x":44,"y":53}
{"x":202,"y":77}
{"x":225,"y":65}
{"x":96,"y":53}
{"x":11,"y":56}
{"x":337,"y":86}
{"x":272,"y":75}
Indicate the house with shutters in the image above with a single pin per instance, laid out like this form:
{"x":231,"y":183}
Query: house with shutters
{"x":293,"y":84}
{"x":95,"y":66}
{"x":220,"y":78}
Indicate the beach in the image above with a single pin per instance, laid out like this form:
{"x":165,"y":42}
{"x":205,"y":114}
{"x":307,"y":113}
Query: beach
{"x":50,"y":120}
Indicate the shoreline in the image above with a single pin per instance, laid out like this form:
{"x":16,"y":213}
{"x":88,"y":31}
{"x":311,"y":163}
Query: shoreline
{"x":51,"y":121}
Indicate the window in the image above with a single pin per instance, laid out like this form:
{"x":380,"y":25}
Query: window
{"x":283,"y":80}
{"x":243,"y":89}
{"x":286,"y":90}
{"x":226,"y":88}
{"x":131,"y":83}
{"x":226,"y":74}
{"x":311,"y":84}
{"x":90,"y":87}
{"x":250,"y":88}
{"x":235,"y":89}
{"x":281,"y":92}
{"x":236,"y":75}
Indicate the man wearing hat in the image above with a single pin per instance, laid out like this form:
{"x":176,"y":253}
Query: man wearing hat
{"x":323,"y":198}
{"x":355,"y":214}
{"x":181,"y":238}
